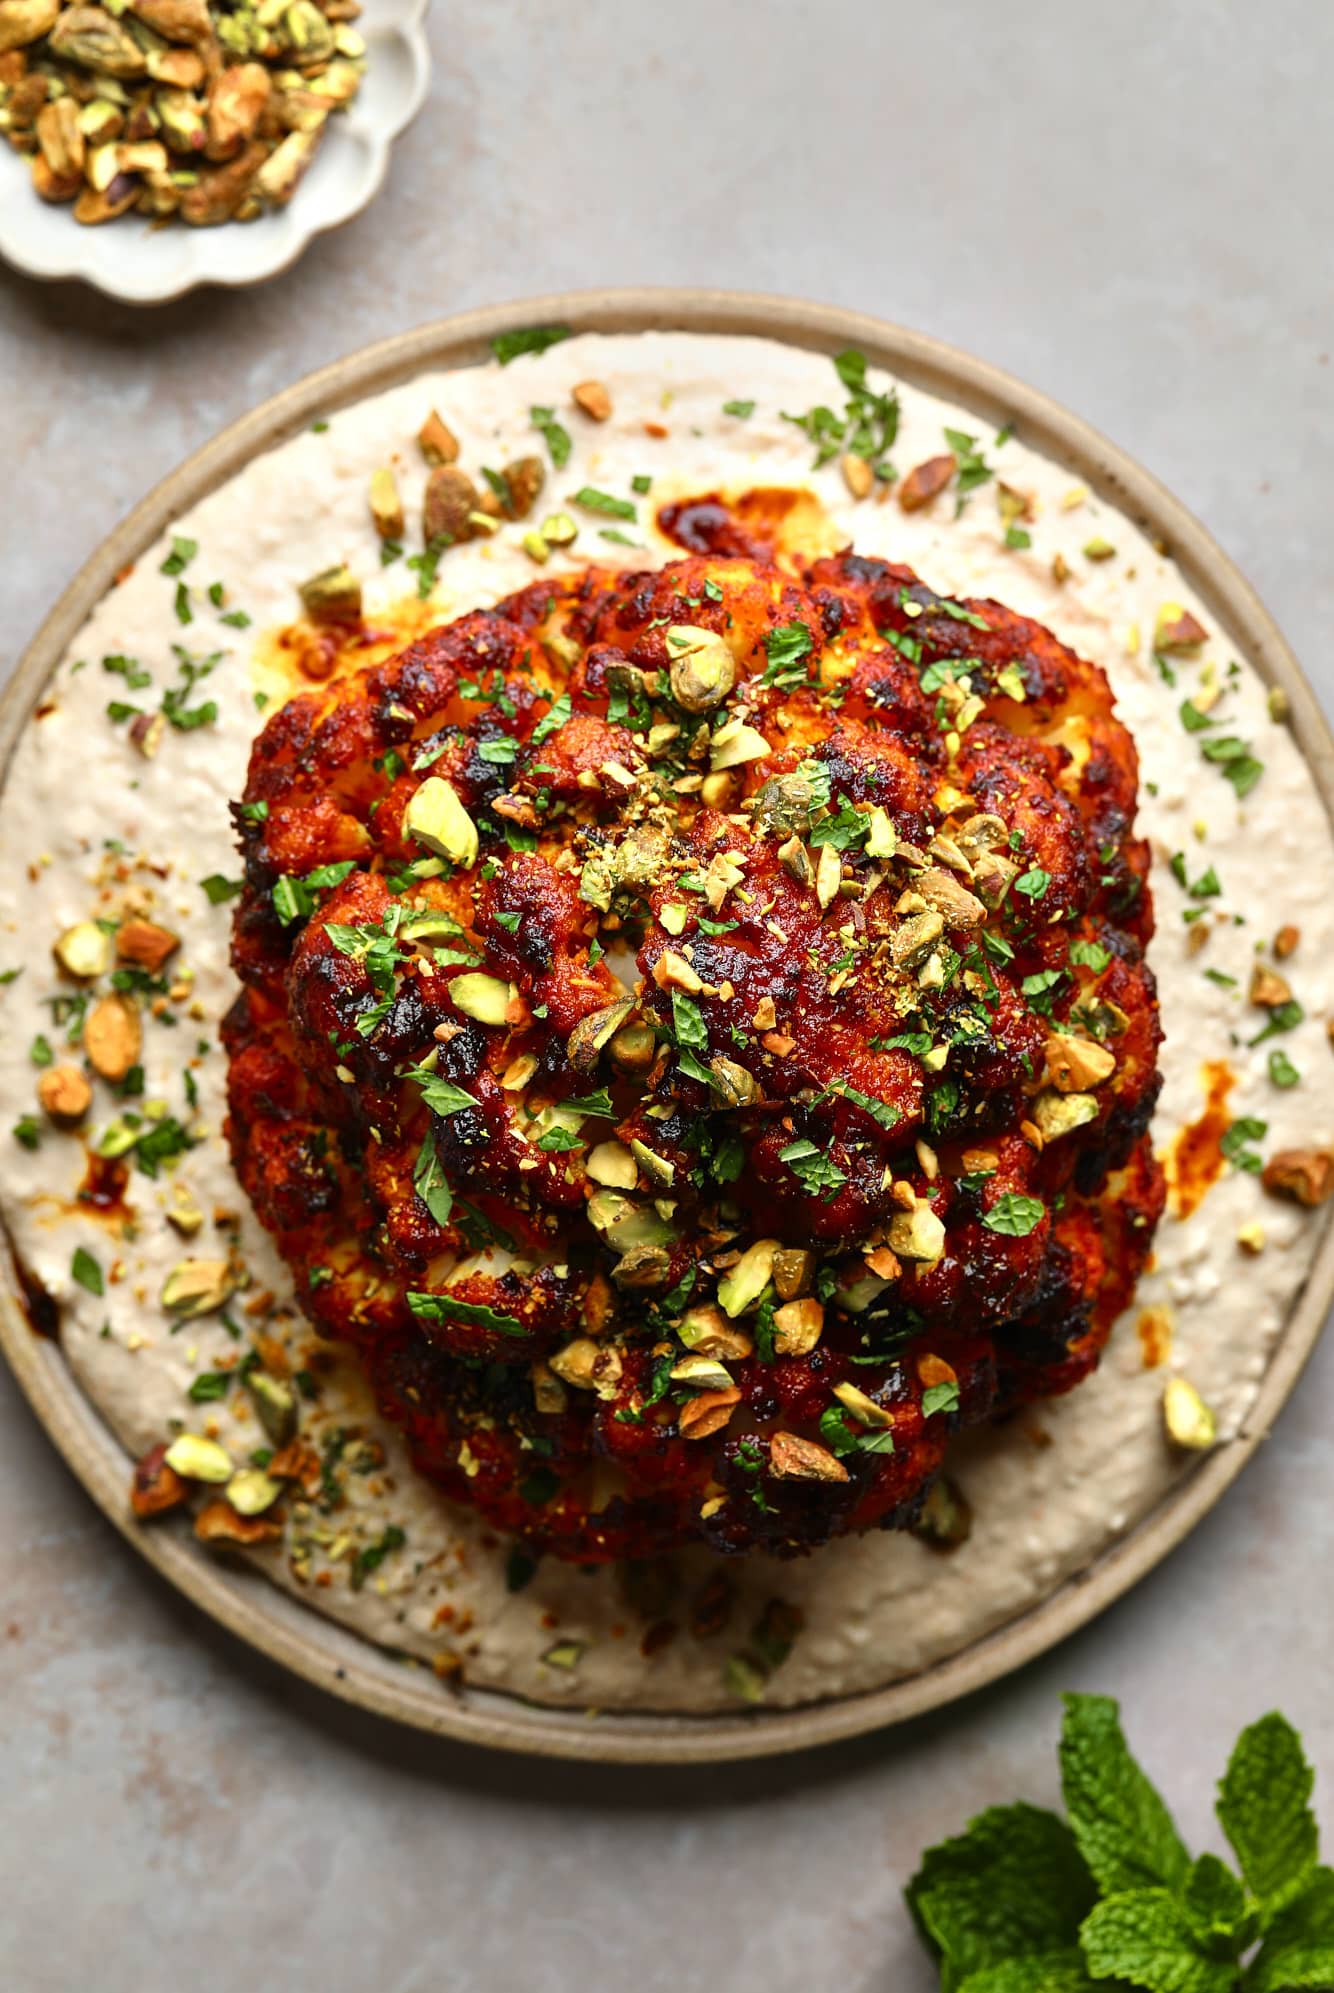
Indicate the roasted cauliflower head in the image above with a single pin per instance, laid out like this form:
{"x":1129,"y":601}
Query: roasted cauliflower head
{"x":696,"y":1044}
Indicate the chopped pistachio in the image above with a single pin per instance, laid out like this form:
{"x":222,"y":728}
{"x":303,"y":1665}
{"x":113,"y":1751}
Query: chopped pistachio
{"x":702,"y":668}
{"x":611,"y":1163}
{"x":386,"y":505}
{"x":480,"y":996}
{"x":436,"y":818}
{"x":84,"y":950}
{"x":1189,"y":1421}
{"x":251,"y":1491}
{"x":742,"y":1287}
{"x":332,"y":596}
{"x":198,"y":1287}
{"x":199,"y":1459}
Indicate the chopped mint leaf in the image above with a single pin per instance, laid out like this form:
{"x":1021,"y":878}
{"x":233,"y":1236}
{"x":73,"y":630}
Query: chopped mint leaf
{"x":1014,"y":1214}
{"x":85,"y":1269}
{"x":554,"y":434}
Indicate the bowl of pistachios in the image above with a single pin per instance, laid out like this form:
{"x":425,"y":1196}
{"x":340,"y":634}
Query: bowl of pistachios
{"x":155,"y":145}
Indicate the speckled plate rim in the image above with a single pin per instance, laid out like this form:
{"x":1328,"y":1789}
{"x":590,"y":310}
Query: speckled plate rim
{"x":279,"y":1625}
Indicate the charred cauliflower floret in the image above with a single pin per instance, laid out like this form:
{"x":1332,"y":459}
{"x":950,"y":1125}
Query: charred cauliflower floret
{"x":696,"y":1042}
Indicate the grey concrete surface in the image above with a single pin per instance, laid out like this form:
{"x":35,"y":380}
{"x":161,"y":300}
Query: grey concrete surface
{"x":1131,"y":206}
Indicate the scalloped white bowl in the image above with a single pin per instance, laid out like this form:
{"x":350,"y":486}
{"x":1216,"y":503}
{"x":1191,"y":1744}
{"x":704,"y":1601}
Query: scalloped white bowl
{"x":140,"y":264}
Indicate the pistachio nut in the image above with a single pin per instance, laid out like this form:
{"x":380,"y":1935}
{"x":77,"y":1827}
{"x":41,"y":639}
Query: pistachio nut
{"x":275,"y":1405}
{"x":23,"y":22}
{"x":64,"y":1094}
{"x":707,"y":1332}
{"x":95,"y":40}
{"x":332,"y":596}
{"x":84,"y":950}
{"x":485,"y":998}
{"x":642,"y":1266}
{"x":798,"y":1326}
{"x":742,"y":1287}
{"x":701,"y":667}
{"x":280,"y":173}
{"x":113,"y":1037}
{"x":199,"y":1459}
{"x":946,"y":1519}
{"x":1189,"y":1421}
{"x":792,"y":1458}
{"x":701,"y":1373}
{"x":198,"y":1287}
{"x":310,"y":33}
{"x":387,"y":505}
{"x":235,"y":105}
{"x":611,"y":1163}
{"x":449,"y":502}
{"x":1056,"y":1114}
{"x":182,"y":120}
{"x":656,"y":1168}
{"x":438,"y":443}
{"x":735,"y":744}
{"x":435,"y":817}
{"x":61,"y":138}
{"x":863,"y":1408}
{"x":217,"y":194}
{"x":917,"y":1234}
{"x":793,"y":1272}
{"x":187,"y":21}
{"x":251,"y":1491}
{"x":594,"y":1031}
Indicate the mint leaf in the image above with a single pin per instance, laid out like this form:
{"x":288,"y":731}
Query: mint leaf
{"x":1124,"y":1831}
{"x":1143,"y":1936}
{"x":1264,"y":1809}
{"x":1013,"y":1884}
{"x":1299,"y":1950}
{"x":1051,"y":1972}
{"x":1218,"y":1909}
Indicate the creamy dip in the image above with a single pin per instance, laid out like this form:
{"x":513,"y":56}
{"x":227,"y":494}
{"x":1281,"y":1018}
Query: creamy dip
{"x":90,"y":827}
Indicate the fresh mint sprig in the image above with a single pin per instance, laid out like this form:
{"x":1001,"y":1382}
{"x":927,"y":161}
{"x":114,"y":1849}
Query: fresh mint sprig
{"x":1025,"y":1902}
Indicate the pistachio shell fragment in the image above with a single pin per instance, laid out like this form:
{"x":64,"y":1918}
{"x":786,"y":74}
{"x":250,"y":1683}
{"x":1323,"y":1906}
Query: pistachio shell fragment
{"x":436,"y":818}
{"x":199,"y":1459}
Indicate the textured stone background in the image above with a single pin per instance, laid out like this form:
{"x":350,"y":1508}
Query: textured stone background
{"x":1133,"y":210}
